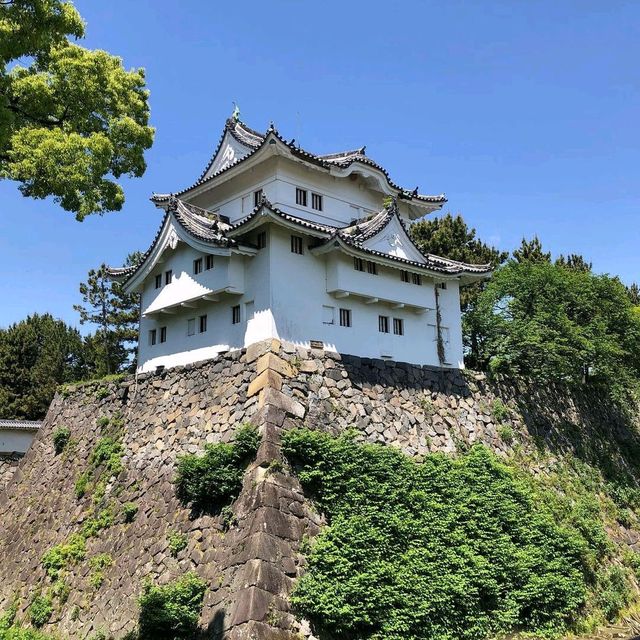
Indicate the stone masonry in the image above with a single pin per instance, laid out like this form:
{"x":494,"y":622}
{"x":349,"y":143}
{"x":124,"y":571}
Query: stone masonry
{"x":251,"y":565}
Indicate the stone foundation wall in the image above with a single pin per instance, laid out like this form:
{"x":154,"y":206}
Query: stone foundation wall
{"x":8,"y":466}
{"x":251,"y":566}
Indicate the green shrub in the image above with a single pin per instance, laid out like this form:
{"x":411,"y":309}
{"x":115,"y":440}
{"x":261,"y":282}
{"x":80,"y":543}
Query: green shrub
{"x":108,"y":452}
{"x":82,"y":482}
{"x":40,"y":610}
{"x":129,"y":511}
{"x":448,"y":549}
{"x":60,"y":439}
{"x":499,"y":410}
{"x":98,"y":564}
{"x":171,"y":612}
{"x":102,"y":422}
{"x":60,"y":557}
{"x":103,"y":520}
{"x":177,"y":542}
{"x":505,"y":431}
{"x":101,"y":393}
{"x":210,"y":481}
{"x":614,"y":593}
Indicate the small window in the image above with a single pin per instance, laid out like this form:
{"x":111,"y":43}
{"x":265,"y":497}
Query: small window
{"x":383,"y":324}
{"x":345,"y":317}
{"x":257,"y":197}
{"x":191,"y":326}
{"x":416,"y":278}
{"x":404,"y":276}
{"x":152,"y":337}
{"x":235,"y":314}
{"x":197,"y":266}
{"x":208,"y":262}
{"x":261,"y":240}
{"x":158,"y":281}
{"x":163,"y":334}
{"x":358,"y":264}
{"x":301,"y":197}
{"x":372,"y":268}
{"x":398,"y":326}
{"x":202,"y":324}
{"x":327,"y":314}
{"x":296,"y":244}
{"x":441,"y":285}
{"x":316,"y":201}
{"x":168,"y":276}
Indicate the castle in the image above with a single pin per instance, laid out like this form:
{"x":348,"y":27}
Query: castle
{"x":273,"y":241}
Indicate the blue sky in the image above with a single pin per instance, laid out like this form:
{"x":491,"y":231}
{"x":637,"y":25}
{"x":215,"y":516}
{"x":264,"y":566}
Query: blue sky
{"x":526,"y":114}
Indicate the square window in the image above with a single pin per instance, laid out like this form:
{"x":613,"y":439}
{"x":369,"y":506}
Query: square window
{"x":441,"y":285}
{"x":208,"y":262}
{"x":168,"y":276}
{"x":235,"y":314}
{"x":383,"y":324}
{"x":416,"y":278}
{"x":345,"y":317}
{"x":158,"y":281}
{"x":163,"y":334}
{"x":358,"y":264}
{"x":372,"y":268}
{"x":327,"y":314}
{"x":404,"y":276}
{"x":257,"y":197}
{"x":398,"y":326}
{"x":261,"y":240}
{"x":202,"y":324}
{"x":197,"y":266}
{"x":296,"y":244}
{"x":152,"y":337}
{"x":301,"y":197}
{"x":316,"y":201}
{"x":191,"y":326}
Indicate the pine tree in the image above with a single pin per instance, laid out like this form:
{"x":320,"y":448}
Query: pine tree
{"x":531,"y":251}
{"x":115,"y":313}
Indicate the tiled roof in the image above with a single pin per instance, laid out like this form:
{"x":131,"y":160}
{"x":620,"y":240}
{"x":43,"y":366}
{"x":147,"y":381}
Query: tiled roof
{"x":26,"y":425}
{"x":255,"y":141}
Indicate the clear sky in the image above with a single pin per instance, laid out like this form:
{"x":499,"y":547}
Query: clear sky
{"x":526,"y":114}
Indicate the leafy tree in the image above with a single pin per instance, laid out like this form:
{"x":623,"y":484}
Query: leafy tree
{"x":116,"y":314}
{"x":574,"y":261}
{"x":633,"y":291}
{"x":36,"y":355}
{"x":450,"y":237}
{"x":548,"y":322}
{"x":72,"y":121}
{"x":531,"y":251}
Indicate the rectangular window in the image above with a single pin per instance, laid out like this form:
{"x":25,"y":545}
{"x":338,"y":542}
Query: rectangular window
{"x":416,"y":278}
{"x":358,"y":264}
{"x":191,"y":326}
{"x":197,"y":266}
{"x":168,"y":276}
{"x":398,"y":326}
{"x":404,"y":276}
{"x":152,"y":337}
{"x":301,"y":197}
{"x":257,"y":197}
{"x":345,"y":317}
{"x":316,"y":201}
{"x":158,"y":281}
{"x":203,"y":324}
{"x":163,"y":334}
{"x":383,"y":324}
{"x":372,"y":268}
{"x":296,"y":244}
{"x":261,"y":240}
{"x":235,"y":314}
{"x":441,"y":285}
{"x":327,"y":314}
{"x":208,"y":262}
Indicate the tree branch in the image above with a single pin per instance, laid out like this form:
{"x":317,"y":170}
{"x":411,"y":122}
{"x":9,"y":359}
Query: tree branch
{"x":52,"y":122}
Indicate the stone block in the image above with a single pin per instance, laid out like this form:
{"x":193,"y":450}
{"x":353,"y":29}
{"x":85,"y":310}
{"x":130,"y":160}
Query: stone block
{"x":268,"y":378}
{"x":276,"y":363}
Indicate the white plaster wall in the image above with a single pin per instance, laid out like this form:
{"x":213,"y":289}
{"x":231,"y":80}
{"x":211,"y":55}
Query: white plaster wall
{"x":18,"y":440}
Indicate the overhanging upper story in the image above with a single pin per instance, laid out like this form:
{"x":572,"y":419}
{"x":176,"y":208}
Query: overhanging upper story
{"x":336,"y":189}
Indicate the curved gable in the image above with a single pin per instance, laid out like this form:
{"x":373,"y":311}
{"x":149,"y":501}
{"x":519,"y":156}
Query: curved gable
{"x":393,"y":240}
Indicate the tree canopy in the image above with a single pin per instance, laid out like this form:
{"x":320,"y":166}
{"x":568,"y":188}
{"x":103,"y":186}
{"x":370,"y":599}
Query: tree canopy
{"x":72,"y":120}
